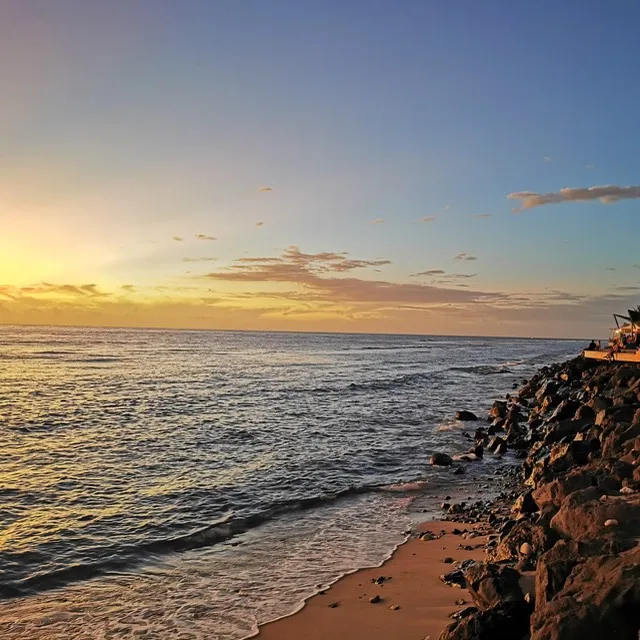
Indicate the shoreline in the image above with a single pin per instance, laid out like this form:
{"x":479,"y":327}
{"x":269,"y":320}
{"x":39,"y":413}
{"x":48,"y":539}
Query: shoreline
{"x":345,"y":607}
{"x":559,"y":558}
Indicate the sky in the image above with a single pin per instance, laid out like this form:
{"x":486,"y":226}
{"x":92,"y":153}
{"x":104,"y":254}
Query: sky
{"x":416,"y":166}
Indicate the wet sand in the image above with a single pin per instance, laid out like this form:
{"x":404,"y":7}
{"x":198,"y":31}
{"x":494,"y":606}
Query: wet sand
{"x":425,"y":602}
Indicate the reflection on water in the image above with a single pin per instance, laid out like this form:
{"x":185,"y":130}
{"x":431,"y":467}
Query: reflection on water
{"x":216,"y":593}
{"x":132,"y":461}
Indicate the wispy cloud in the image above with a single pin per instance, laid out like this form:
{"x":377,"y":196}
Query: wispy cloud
{"x":128,"y":287}
{"x":428,"y":272}
{"x":378,"y":221}
{"x":66,"y":290}
{"x":314,"y":273}
{"x":483,"y":215}
{"x":265,"y":189}
{"x":428,"y":219}
{"x":199,"y":259}
{"x":606,"y":194}
{"x":547,"y":159}
{"x":204,"y":236}
{"x":464,"y":256}
{"x":611,"y":269}
{"x":259,"y":224}
{"x":178,"y":239}
{"x":589,"y":166}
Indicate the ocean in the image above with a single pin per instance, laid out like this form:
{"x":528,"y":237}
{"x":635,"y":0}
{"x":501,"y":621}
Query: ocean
{"x":194,"y":484}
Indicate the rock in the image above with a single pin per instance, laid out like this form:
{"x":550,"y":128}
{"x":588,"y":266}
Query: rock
{"x":454,"y":579}
{"x":611,"y":523}
{"x":614,"y":415}
{"x":565,"y":410}
{"x":441,"y":459}
{"x":600,"y":599}
{"x":495,"y":443}
{"x":526,"y":549}
{"x":554,"y":492}
{"x":498,"y":410}
{"x":614,"y":440}
{"x":334,"y":605}
{"x":375,"y":599}
{"x":491,"y":584}
{"x":584,"y":412}
{"x":525,"y":504}
{"x":395,"y":607}
{"x":507,"y":621}
{"x":598,"y":403}
{"x":553,"y":569}
{"x":547,"y":388}
{"x":539,"y":537}
{"x":466,"y":415}
{"x":463,"y":613}
{"x":458,"y":471}
{"x":583,"y":514}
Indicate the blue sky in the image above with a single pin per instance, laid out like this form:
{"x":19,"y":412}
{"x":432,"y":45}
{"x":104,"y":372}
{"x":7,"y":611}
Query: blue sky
{"x":126,"y":123}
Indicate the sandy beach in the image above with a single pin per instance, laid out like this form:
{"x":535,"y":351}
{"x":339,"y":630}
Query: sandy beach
{"x":415,"y":604}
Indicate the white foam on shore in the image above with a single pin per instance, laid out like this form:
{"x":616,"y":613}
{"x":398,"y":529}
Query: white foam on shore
{"x":222,"y":592}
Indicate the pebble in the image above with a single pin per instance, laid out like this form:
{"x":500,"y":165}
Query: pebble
{"x":394,"y":607}
{"x":447,"y":560}
{"x":611,"y":523}
{"x":334,"y":605}
{"x":525,"y":549}
{"x":375,"y":599}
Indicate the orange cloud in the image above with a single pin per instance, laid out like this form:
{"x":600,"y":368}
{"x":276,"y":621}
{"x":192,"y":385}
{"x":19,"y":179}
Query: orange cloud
{"x":606,"y":194}
{"x":178,"y":239}
{"x":204,"y":236}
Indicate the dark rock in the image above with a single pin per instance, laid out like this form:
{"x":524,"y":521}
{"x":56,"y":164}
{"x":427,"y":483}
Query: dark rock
{"x":584,"y":412}
{"x":583,"y":514}
{"x":498,"y":410}
{"x":375,"y":599}
{"x":441,"y":459}
{"x":565,"y":410}
{"x":454,"y":579}
{"x":539,"y":537}
{"x":491,"y":584}
{"x":553,"y":569}
{"x":525,"y":504}
{"x":458,"y":471}
{"x":463,"y":613}
{"x":600,"y":599}
{"x":507,"y":621}
{"x":554,"y":492}
{"x":466,"y":415}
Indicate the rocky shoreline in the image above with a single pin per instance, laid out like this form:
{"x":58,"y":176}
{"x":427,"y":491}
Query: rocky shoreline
{"x":569,"y":518}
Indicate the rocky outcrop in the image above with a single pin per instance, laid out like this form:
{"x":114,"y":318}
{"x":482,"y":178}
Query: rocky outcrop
{"x":600,"y":598}
{"x":507,"y":621}
{"x":573,"y":519}
{"x":441,"y":460}
{"x":491,"y":584}
{"x":466,"y":416}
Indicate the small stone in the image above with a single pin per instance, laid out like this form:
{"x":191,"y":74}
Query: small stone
{"x":526,"y":549}
{"x":447,"y":560}
{"x":375,"y":599}
{"x":334,"y":605}
{"x":394,"y":607}
{"x":611,"y":523}
{"x":461,"y":602}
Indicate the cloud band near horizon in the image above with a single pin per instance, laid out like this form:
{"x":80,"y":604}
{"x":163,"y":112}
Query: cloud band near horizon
{"x":607,"y":194}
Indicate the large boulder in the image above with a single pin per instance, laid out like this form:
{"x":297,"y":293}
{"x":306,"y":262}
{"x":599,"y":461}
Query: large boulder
{"x":466,"y":415}
{"x":507,"y":621}
{"x":491,"y":584}
{"x":565,"y":410}
{"x":536,"y":535}
{"x":498,"y":410}
{"x":584,"y":515}
{"x":553,"y":569}
{"x":441,"y":459}
{"x":554,"y":492}
{"x":600,"y":599}
{"x":613,"y":442}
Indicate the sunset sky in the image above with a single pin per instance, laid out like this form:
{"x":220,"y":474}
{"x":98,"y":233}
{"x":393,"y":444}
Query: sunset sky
{"x":415,"y":166}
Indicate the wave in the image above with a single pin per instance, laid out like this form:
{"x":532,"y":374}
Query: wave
{"x":127,"y":557}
